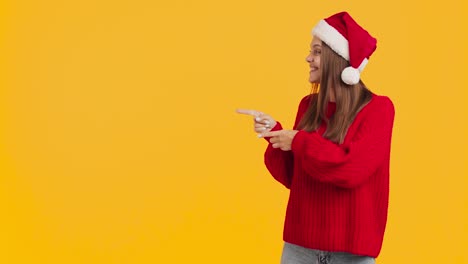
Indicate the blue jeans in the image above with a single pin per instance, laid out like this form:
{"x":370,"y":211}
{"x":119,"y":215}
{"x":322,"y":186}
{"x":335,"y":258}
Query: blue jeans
{"x":294,"y":254}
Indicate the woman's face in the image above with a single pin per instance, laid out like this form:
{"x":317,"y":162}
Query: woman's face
{"x":314,"y":60}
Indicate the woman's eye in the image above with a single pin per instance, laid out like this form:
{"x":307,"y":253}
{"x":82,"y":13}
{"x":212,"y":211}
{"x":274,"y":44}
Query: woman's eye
{"x":316,"y":52}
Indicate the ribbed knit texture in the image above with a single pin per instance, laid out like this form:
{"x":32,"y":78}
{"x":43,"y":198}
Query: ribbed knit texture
{"x":338,"y":192}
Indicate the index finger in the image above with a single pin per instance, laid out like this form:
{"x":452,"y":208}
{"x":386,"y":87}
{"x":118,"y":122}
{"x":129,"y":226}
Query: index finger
{"x":248,"y":112}
{"x":270,"y":134}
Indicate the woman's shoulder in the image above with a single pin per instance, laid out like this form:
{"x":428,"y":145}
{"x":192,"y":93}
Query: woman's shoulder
{"x":305,"y":102}
{"x":306,"y":99}
{"x":380,"y":105}
{"x":380,"y":101}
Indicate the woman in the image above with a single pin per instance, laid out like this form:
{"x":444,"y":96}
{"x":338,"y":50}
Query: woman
{"x":335,"y":161}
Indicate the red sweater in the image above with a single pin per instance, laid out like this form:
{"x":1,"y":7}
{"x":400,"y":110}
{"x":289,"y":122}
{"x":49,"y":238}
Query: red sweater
{"x":338,"y":197}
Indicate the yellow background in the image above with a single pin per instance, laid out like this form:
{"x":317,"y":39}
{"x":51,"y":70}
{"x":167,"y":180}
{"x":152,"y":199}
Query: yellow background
{"x":119,"y":142}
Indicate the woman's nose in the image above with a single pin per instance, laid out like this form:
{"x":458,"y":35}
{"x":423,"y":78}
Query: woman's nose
{"x":309,"y":58}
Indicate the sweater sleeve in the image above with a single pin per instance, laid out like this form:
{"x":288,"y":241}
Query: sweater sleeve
{"x":280,"y":163}
{"x":351,"y":164}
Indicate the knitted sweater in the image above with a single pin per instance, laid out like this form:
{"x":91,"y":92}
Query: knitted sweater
{"x":339,"y":193}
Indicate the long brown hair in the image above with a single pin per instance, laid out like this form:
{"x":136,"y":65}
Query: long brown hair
{"x":350,"y":99}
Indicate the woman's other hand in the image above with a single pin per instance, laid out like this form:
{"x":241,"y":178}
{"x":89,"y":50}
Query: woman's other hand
{"x":281,"y":139}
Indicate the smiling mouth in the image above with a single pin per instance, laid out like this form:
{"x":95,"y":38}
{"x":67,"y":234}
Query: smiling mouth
{"x":313,"y":69}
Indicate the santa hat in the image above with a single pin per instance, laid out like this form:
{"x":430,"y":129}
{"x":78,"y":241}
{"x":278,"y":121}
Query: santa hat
{"x":349,"y":40}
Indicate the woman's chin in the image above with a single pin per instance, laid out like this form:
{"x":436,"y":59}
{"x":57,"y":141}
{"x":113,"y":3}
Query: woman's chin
{"x":314,"y":78}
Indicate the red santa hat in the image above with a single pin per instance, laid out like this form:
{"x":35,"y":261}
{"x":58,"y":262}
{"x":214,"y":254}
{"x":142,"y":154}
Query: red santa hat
{"x":349,"y":40}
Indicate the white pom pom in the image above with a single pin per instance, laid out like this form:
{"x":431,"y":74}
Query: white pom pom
{"x":350,"y":75}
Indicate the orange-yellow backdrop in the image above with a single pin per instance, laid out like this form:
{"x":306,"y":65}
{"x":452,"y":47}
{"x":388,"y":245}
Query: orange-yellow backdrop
{"x":119,"y":142}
